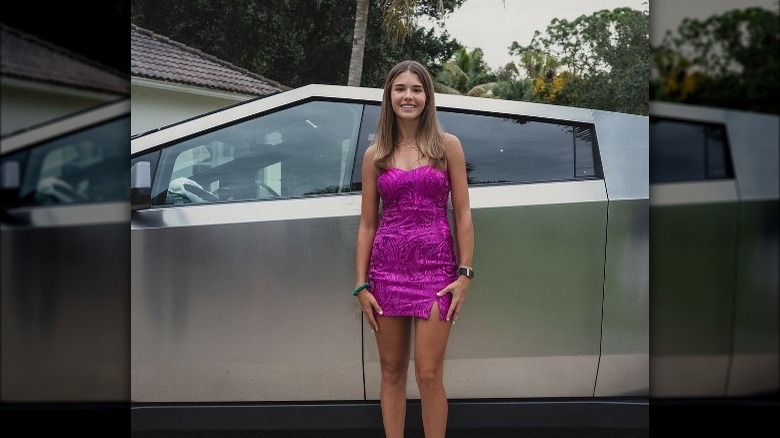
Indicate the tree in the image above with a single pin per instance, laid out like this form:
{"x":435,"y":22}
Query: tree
{"x":466,"y":74}
{"x":294,"y":42}
{"x":604,"y":55}
{"x":513,"y":90}
{"x":728,"y":60}
{"x":358,"y":44}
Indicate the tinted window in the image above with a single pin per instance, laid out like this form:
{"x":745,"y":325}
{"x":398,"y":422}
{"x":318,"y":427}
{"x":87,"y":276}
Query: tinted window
{"x":86,"y":166}
{"x":518,"y":149}
{"x":687,"y":151}
{"x":508,"y":149}
{"x":299,"y":151}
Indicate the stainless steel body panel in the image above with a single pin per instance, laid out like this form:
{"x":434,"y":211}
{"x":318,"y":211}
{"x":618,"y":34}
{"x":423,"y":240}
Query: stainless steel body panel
{"x":65,"y":216}
{"x":624,"y":362}
{"x":692,"y":276}
{"x":624,"y":367}
{"x":251,"y":310}
{"x":755,"y":363}
{"x":624,"y":154}
{"x":65,"y":315}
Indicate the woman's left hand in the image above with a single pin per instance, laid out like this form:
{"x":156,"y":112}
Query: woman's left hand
{"x":458,"y":289}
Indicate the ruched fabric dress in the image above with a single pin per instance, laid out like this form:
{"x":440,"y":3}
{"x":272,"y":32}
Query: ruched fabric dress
{"x":413,"y":256}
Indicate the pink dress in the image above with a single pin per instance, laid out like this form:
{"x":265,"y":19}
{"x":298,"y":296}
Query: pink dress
{"x":413,"y":256}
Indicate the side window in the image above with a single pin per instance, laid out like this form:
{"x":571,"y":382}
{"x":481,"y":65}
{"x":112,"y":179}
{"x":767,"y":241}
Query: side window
{"x":688,"y":151}
{"x":302,"y":150}
{"x":86,"y":166}
{"x":518,"y":149}
{"x":508,"y":149}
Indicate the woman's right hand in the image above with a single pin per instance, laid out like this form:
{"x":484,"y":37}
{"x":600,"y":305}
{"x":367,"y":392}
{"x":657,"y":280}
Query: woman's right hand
{"x":368,"y":304}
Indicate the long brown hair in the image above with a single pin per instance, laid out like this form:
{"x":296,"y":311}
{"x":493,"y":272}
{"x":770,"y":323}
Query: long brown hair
{"x":430,"y":138}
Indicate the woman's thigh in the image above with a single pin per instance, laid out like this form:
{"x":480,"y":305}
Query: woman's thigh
{"x":430,"y":341}
{"x":393,"y":340}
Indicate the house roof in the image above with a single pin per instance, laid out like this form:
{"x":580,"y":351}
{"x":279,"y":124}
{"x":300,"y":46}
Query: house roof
{"x":154,"y":56}
{"x":27,"y":57}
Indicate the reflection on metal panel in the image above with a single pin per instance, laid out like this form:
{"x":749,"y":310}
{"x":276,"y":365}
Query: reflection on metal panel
{"x":501,"y":377}
{"x":537,"y":194}
{"x":692,"y":255}
{"x":624,"y":364}
{"x":623,"y":145}
{"x":67,"y":215}
{"x":755,"y":364}
{"x":692,"y":193}
{"x":241,"y":212}
{"x":251,"y":311}
{"x":755,"y":139}
{"x":697,"y":375}
{"x":65,"y":316}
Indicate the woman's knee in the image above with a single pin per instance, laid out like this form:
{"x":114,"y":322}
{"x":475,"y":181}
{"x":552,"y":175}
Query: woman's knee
{"x":394,"y":372}
{"x":429,"y":377}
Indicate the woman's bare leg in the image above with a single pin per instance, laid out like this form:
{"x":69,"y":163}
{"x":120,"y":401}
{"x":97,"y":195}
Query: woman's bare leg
{"x":393,"y":339}
{"x":430,"y":343}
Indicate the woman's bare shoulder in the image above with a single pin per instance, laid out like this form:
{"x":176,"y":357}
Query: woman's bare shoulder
{"x":451,"y":139}
{"x":452,"y":145}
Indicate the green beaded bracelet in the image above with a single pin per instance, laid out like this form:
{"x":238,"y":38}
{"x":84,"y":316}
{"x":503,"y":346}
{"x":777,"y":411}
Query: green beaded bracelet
{"x":359,"y":288}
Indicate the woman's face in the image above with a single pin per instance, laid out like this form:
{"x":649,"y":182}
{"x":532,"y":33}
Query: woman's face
{"x":407,"y":96}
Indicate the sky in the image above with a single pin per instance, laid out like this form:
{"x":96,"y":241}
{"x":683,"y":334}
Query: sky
{"x":492,"y":25}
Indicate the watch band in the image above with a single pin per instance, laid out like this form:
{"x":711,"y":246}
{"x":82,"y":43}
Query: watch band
{"x":464,"y":270}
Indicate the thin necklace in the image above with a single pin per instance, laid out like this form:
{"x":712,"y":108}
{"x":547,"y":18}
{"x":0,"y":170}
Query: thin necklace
{"x":412,"y":145}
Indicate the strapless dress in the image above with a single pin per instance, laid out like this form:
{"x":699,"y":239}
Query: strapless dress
{"x":413,"y":256}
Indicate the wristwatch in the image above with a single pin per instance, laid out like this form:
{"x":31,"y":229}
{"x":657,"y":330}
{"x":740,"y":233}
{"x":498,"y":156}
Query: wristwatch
{"x":465,"y":270}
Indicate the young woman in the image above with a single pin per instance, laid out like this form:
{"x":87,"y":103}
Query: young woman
{"x":408,"y":268}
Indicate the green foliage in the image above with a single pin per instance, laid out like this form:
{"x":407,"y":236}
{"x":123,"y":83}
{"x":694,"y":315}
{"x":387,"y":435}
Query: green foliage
{"x":605,"y":56}
{"x":514,"y":90}
{"x":728,"y":60}
{"x":467,"y":73}
{"x":294,"y":42}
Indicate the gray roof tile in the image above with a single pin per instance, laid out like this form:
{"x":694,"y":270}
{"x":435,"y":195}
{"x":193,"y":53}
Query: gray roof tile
{"x":28,"y":57}
{"x":154,"y":56}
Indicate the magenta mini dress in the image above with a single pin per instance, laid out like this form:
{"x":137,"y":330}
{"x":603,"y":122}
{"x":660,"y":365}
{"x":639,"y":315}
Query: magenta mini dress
{"x":413,"y":256}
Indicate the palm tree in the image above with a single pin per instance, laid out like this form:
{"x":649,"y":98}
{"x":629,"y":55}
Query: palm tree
{"x":358,"y":44}
{"x":466,"y":74}
{"x":398,"y":20}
